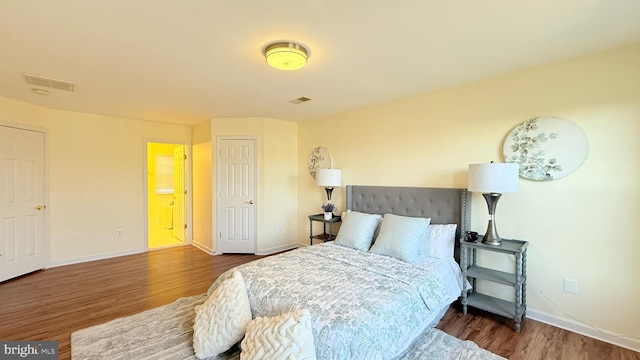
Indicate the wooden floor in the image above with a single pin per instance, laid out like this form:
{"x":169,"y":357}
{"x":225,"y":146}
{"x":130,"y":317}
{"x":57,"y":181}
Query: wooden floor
{"x":51,"y":304}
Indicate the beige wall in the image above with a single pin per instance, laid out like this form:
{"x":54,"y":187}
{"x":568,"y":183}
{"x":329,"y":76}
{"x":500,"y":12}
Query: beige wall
{"x":279,"y":186}
{"x":96,"y":185}
{"x":579,"y":227}
{"x":202,"y":186}
{"x":96,"y":174}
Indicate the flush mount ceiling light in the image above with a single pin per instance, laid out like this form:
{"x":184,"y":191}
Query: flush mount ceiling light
{"x":286,"y":55}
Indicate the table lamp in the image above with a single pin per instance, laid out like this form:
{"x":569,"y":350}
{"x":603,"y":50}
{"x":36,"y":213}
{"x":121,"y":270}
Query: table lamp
{"x":329,"y":178}
{"x":493,"y":179}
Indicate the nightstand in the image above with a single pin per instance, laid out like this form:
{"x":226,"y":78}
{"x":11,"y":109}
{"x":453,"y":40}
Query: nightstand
{"x":325,"y":236}
{"x":518,"y":279}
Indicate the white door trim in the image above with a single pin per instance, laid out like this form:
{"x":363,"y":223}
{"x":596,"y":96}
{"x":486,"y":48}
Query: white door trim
{"x":187,"y":185}
{"x":217,"y":220}
{"x":45,"y":132}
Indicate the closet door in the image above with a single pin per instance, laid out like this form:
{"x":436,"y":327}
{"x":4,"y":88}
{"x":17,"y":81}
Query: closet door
{"x":23,"y":247}
{"x":236,"y":196}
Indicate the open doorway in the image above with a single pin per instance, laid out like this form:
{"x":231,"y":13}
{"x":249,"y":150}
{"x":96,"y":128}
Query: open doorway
{"x":166,"y":198}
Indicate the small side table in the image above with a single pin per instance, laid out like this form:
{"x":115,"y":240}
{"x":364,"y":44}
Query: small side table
{"x":325,"y":236}
{"x":518,"y":279}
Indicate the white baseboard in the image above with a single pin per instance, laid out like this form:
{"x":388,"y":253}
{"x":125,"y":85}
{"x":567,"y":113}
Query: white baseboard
{"x":95,"y":257}
{"x":203,"y":247}
{"x":584,"y":329}
{"x":277,"y":249}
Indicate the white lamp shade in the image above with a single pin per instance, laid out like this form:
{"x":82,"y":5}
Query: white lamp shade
{"x":329,"y":177}
{"x":493,"y":177}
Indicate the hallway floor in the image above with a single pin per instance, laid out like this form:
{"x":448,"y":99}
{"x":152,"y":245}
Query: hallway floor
{"x":159,"y":237}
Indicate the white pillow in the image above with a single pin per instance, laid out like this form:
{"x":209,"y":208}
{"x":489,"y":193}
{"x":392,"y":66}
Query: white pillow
{"x":357,"y":230}
{"x":402,"y":237}
{"x":442,"y":239}
{"x":221,"y":321}
{"x":288,"y":336}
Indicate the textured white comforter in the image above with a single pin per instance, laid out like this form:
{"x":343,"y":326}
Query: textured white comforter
{"x":363,"y":305}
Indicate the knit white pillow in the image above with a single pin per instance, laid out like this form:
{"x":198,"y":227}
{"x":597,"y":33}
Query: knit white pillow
{"x":442,"y":241}
{"x":222,"y":320}
{"x":287,"y":336}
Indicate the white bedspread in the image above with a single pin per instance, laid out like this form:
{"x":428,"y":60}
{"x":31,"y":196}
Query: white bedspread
{"x":364,"y":306}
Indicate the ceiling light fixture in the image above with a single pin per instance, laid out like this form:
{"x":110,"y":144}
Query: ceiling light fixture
{"x":286,"y":55}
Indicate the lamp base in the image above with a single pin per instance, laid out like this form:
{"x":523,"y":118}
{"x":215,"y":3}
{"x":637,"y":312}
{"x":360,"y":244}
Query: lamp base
{"x":329,"y":190}
{"x":491,"y":236}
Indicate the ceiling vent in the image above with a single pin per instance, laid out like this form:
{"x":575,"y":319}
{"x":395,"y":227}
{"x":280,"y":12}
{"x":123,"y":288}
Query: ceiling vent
{"x":48,"y":82}
{"x":300,"y":100}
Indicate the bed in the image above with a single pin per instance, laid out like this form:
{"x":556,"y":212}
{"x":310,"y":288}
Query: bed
{"x":366,"y":305}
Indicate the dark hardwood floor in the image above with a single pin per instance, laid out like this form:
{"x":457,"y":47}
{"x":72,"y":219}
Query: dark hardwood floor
{"x":53,"y":303}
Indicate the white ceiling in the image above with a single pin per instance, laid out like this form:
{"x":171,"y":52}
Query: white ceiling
{"x":185,"y":61}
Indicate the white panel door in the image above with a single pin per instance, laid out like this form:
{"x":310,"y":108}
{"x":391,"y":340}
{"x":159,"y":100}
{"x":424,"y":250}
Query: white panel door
{"x":23,"y":247}
{"x":236,"y":196}
{"x":179,"y":228}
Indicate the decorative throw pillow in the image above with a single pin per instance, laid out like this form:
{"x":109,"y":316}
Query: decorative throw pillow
{"x":357,"y":230}
{"x":375,"y":233}
{"x":402,"y":237}
{"x":222,"y":319}
{"x":288,"y":336}
{"x":442,"y":239}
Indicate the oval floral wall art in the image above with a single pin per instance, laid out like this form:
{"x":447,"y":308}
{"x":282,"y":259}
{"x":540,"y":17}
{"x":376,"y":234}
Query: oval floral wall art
{"x":546,"y":147}
{"x":320,"y":158}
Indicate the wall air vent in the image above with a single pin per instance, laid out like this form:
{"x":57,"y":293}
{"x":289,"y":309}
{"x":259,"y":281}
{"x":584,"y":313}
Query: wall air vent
{"x":48,"y":82}
{"x":300,"y":100}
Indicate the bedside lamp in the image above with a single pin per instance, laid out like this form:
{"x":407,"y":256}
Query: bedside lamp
{"x":329,"y":178}
{"x":493,"y":179}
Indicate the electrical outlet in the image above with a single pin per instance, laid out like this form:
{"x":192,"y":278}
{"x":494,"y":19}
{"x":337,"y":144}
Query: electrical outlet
{"x":571,"y":286}
{"x":119,"y":233}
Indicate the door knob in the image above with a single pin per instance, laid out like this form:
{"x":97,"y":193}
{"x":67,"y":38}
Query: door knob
{"x":41,"y":207}
{"x":250,"y":202}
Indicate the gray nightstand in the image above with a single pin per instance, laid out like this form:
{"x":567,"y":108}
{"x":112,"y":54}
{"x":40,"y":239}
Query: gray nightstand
{"x":518,"y":279}
{"x":325,"y":236}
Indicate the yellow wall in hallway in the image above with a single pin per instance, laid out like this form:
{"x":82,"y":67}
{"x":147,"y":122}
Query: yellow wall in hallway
{"x":157,"y":204}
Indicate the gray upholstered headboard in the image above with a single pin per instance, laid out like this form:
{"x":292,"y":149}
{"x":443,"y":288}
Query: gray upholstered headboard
{"x":442,"y":205}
